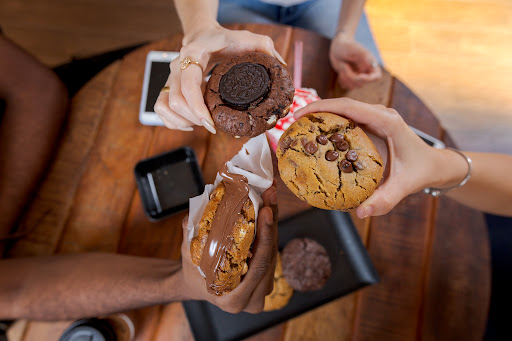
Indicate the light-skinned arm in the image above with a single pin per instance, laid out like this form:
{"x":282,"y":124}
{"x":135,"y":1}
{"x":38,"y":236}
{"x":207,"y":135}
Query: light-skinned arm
{"x":205,"y":42}
{"x":354,"y":64}
{"x":412,"y":165}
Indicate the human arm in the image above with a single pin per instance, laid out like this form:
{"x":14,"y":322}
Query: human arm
{"x":71,"y":286}
{"x":205,"y":42}
{"x":36,"y":103}
{"x":354,"y":64}
{"x":412,"y":165}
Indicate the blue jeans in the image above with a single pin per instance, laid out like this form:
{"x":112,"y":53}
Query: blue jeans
{"x":320,"y":16}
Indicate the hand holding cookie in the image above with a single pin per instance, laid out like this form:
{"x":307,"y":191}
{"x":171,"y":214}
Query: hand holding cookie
{"x":408,"y":169}
{"x":249,"y":294}
{"x":183,"y":106}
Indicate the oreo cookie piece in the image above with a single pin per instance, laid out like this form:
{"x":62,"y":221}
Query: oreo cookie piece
{"x":306,"y":265}
{"x":248,"y":94}
{"x":243,"y":85}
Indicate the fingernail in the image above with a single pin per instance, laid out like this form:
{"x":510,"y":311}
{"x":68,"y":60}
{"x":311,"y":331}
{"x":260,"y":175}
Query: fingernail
{"x":368,"y":211}
{"x":278,"y":57}
{"x":186,"y":129}
{"x":208,"y":126}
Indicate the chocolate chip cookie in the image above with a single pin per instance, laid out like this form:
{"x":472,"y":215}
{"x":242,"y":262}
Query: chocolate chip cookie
{"x":247,"y":94}
{"x":329,"y":162}
{"x":306,"y":265}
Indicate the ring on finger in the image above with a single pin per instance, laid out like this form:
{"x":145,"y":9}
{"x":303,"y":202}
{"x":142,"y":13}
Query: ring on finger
{"x":185,"y":62}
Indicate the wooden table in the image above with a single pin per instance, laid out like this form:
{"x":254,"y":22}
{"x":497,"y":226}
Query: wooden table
{"x":432,"y":255}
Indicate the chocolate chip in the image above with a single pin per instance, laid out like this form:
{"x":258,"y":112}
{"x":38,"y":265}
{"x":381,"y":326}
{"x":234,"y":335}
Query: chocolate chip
{"x":346,"y":166}
{"x":311,"y":148}
{"x":351,"y":155}
{"x":359,"y":165}
{"x":243,"y":84}
{"x":304,"y":141}
{"x":285,"y":143}
{"x":322,"y":139}
{"x":331,"y":155}
{"x":337,"y":137}
{"x":343,"y":145}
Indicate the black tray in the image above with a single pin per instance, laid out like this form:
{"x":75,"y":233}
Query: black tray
{"x":351,"y":269}
{"x":166,"y":182}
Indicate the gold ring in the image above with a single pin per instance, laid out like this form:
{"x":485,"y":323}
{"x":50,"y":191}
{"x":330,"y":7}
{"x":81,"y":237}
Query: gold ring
{"x":165,"y":89}
{"x":187,"y":61}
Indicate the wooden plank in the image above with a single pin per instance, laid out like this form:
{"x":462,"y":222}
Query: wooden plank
{"x":52,"y":204}
{"x":145,"y":322}
{"x":173,"y":324}
{"x":315,"y":57}
{"x":413,"y":110}
{"x":121,"y":20}
{"x":162,"y":239}
{"x":281,"y":36}
{"x":37,"y":330}
{"x":221,"y":148}
{"x":331,"y":321}
{"x":107,"y":184}
{"x":399,"y":247}
{"x":274,"y":333}
{"x":458,"y":283}
{"x":378,"y":92}
{"x":319,"y":323}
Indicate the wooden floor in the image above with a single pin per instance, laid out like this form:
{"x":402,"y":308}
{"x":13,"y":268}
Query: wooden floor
{"x":455,"y":54}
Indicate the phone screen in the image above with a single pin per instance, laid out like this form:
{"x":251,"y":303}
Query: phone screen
{"x":157,"y":77}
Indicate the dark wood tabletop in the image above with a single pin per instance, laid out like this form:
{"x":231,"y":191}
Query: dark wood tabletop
{"x":432,"y":255}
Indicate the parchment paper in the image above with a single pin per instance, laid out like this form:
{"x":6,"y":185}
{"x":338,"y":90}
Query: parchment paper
{"x":255,"y":163}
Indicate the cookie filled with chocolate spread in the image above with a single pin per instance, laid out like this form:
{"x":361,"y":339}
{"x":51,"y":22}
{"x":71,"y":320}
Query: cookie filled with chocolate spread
{"x":248,"y":94}
{"x":226,"y":232}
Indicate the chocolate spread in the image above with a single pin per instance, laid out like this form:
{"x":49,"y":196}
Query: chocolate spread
{"x":227,"y":214}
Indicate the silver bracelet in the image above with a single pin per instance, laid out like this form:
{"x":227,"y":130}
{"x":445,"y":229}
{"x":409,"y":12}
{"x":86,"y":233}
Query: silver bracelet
{"x":436,"y":192}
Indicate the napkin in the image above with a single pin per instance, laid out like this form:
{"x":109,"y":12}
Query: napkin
{"x":301,"y":98}
{"x":252,"y":161}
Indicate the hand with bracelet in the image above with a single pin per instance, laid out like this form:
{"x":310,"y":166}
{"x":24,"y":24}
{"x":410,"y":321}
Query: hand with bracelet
{"x":412,"y":165}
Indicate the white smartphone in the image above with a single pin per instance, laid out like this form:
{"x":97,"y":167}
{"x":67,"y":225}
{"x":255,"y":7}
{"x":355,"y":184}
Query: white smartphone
{"x":155,"y":75}
{"x":430,"y":140}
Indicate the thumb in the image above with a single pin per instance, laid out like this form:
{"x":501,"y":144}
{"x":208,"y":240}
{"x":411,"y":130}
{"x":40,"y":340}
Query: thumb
{"x":381,"y":201}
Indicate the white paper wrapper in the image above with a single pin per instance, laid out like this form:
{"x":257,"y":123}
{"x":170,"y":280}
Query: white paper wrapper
{"x":255,"y":163}
{"x":301,"y":98}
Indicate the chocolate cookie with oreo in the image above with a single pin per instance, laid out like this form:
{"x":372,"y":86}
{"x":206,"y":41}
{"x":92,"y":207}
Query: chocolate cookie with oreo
{"x":247,"y":94}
